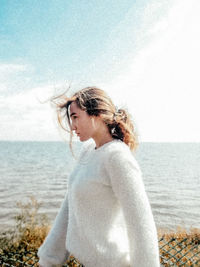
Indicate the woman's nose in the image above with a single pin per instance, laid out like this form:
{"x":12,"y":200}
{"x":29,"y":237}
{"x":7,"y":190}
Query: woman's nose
{"x":73,"y":127}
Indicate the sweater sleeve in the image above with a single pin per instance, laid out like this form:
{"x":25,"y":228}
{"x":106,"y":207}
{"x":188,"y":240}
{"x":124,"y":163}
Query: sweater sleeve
{"x":53,"y":251}
{"x":127,"y":185}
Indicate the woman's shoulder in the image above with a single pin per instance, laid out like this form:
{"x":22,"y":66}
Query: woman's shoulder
{"x":119,"y":153}
{"x":86,"y":148}
{"x":113,"y":149}
{"x":118,"y":147}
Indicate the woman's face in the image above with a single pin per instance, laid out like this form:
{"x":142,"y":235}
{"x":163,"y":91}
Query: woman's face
{"x":85,"y":126}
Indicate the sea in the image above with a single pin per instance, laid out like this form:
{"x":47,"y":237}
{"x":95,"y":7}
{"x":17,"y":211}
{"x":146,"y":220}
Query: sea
{"x":171,"y":175}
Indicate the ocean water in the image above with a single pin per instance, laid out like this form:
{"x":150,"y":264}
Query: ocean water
{"x":171,"y":174}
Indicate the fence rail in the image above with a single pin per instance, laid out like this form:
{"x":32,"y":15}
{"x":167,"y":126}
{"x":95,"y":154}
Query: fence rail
{"x":173,"y":252}
{"x":180,"y":251}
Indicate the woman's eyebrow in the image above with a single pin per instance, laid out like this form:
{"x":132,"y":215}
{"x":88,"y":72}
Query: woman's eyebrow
{"x":72,"y":114}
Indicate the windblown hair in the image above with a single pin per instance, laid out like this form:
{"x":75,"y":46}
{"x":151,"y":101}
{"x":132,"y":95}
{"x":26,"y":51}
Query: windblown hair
{"x":97,"y":103}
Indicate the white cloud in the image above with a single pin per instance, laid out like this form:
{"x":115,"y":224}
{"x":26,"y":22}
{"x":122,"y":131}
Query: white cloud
{"x":161,"y":82}
{"x":7,"y":68}
{"x":23,"y":117}
{"x":14,"y":77}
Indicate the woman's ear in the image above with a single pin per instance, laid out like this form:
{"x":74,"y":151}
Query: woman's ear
{"x":95,"y":122}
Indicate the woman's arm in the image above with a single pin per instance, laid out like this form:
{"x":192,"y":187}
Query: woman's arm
{"x":126,"y":181}
{"x":53,"y":249}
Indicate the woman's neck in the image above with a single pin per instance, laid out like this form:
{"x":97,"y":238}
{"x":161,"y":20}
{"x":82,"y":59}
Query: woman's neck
{"x":100,"y":143}
{"x":102,"y":136}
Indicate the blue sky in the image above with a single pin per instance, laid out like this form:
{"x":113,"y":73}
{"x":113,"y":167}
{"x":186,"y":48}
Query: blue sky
{"x":60,"y":37}
{"x":145,"y":54}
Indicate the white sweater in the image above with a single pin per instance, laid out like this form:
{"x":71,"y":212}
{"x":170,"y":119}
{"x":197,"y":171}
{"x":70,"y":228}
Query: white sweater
{"x":105,"y":219}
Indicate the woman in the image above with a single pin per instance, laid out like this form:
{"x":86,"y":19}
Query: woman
{"x":105,"y":219}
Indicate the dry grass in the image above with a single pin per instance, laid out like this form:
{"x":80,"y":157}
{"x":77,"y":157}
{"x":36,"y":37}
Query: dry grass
{"x":21,"y":244}
{"x":178,"y":248}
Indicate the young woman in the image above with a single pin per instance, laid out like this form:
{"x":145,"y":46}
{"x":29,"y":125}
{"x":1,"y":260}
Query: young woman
{"x":105,"y":219}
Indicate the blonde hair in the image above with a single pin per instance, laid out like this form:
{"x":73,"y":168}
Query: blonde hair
{"x":97,"y":103}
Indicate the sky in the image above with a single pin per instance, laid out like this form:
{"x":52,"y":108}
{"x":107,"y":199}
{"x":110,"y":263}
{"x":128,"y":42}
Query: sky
{"x":144,"y":53}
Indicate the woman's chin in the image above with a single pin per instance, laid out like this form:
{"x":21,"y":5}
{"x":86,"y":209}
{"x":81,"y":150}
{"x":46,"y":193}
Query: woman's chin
{"x":83,"y":139}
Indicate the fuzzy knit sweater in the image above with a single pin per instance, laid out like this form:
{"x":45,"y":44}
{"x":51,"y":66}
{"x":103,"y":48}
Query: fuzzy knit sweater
{"x":105,"y":219}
